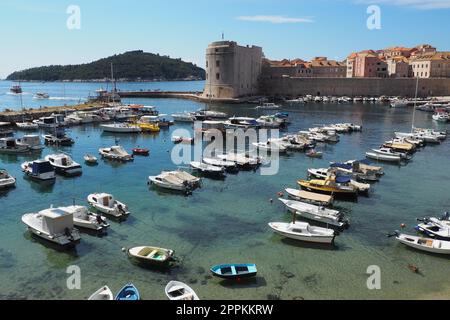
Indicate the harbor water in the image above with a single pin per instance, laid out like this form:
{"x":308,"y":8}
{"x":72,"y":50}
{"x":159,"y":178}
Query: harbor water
{"x":226,"y":221}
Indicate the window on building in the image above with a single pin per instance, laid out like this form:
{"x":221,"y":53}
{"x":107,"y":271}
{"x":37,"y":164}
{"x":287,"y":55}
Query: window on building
{"x":217,"y":63}
{"x":207,"y":64}
{"x":217,"y":76}
{"x":207,"y":76}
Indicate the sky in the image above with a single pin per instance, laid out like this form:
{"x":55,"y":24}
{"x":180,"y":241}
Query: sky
{"x":36,"y":33}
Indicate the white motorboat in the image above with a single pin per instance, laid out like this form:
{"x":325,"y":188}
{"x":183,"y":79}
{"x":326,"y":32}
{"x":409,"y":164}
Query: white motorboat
{"x":6,"y":180}
{"x":172,"y":180}
{"x":83,"y":218}
{"x":321,"y":173}
{"x":115,"y":153}
{"x":207,"y":168}
{"x":183,"y":140}
{"x":12,"y":146}
{"x":64,"y":164}
{"x":390,"y":152}
{"x":121,"y":128}
{"x":183,"y":117}
{"x":179,"y":291}
{"x":33,"y":141}
{"x":424,"y":244}
{"x":90,"y":159}
{"x":242,"y":160}
{"x":54,"y":225}
{"x":268,"y":106}
{"x":310,"y":197}
{"x":269,"y":146}
{"x":27,"y":125}
{"x":383,"y":157}
{"x":40,"y":170}
{"x":441,"y":117}
{"x":241,"y":123}
{"x":228,"y":165}
{"x":303,"y":232}
{"x":316,"y":213}
{"x":269,"y":122}
{"x":104,"y":293}
{"x":440,"y":135}
{"x":429,"y":138}
{"x":213,"y":114}
{"x":105,"y":203}
{"x":41,"y":96}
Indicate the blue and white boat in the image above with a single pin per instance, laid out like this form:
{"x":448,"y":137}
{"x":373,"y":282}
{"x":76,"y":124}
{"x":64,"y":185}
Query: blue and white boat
{"x":40,"y":170}
{"x":234,"y":271}
{"x":128,"y":292}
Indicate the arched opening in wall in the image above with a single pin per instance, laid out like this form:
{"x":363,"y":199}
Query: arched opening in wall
{"x":318,"y":93}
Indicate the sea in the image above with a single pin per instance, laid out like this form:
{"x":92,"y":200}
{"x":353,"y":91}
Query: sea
{"x":226,"y":221}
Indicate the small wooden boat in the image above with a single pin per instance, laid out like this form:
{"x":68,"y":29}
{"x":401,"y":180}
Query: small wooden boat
{"x":179,"y":291}
{"x":141,"y":152}
{"x":310,"y":197}
{"x":424,"y":244}
{"x":151,"y":255}
{"x":90,"y":159}
{"x":104,"y":293}
{"x":234,"y":271}
{"x":303,"y":231}
{"x":314,"y":154}
{"x":128,"y":292}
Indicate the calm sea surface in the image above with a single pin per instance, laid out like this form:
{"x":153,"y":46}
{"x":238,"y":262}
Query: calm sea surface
{"x":226,"y":221}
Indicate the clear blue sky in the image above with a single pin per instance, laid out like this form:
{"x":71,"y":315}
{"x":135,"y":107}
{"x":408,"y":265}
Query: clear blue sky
{"x":34,"y":32}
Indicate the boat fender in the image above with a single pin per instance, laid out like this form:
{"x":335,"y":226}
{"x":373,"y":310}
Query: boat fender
{"x":403,"y":226}
{"x":280,"y":194}
{"x":271,"y":200}
{"x":124,"y":249}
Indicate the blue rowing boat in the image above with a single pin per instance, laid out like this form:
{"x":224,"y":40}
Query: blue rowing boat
{"x":128,"y":292}
{"x":234,"y":271}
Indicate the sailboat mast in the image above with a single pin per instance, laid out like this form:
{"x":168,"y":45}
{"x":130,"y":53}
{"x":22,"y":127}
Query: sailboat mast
{"x":113,"y":87}
{"x":415,"y":105}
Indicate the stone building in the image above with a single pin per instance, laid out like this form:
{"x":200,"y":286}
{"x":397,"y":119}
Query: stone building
{"x":232,"y":71}
{"x":324,"y":68}
{"x":366,"y":64}
{"x":431,"y":65}
{"x":398,"y":67}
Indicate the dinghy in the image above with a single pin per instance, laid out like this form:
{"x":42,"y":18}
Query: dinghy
{"x":90,"y":159}
{"x":141,"y":152}
{"x":310,"y":197}
{"x":179,"y":291}
{"x":315,"y":213}
{"x":105,"y":203}
{"x":128,"y":293}
{"x":234,"y":271}
{"x":151,"y":255}
{"x":104,"y":293}
{"x":424,"y":244}
{"x":39,"y":170}
{"x":6,"y":180}
{"x":175,"y":180}
{"x":303,"y":232}
{"x":64,"y":164}
{"x":115,"y":153}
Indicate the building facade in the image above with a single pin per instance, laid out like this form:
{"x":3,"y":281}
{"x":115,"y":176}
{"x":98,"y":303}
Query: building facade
{"x":232,"y":71}
{"x":431,"y":65}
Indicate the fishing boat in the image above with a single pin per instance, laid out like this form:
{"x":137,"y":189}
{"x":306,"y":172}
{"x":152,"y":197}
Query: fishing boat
{"x":400,"y":147}
{"x":41,"y":96}
{"x":228,"y":165}
{"x":128,"y":293}
{"x":315,"y":213}
{"x":6,"y":180}
{"x":151,"y":255}
{"x":179,"y":291}
{"x":329,"y":186}
{"x":303,"y":232}
{"x":54,"y":225}
{"x":424,"y":244}
{"x":389,"y":152}
{"x":83,"y":218}
{"x":121,"y":128}
{"x":27,"y":125}
{"x":310,"y":197}
{"x":50,"y":122}
{"x":90,"y":159}
{"x":33,"y":141}
{"x":175,"y":180}
{"x":105,"y":203}
{"x":64,"y":164}
{"x":17,"y":89}
{"x":115,"y":153}
{"x":234,"y":271}
{"x":271,"y":147}
{"x":207,"y":169}
{"x":39,"y":170}
{"x":60,"y":138}
{"x":268,"y":106}
{"x":104,"y":293}
{"x":383,"y":157}
{"x":314,"y":154}
{"x":434,"y":228}
{"x":12,"y":146}
{"x":141,"y":152}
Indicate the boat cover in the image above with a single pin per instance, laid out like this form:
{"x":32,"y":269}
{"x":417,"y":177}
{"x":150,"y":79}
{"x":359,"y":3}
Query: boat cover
{"x":343,"y":179}
{"x":342,"y":166}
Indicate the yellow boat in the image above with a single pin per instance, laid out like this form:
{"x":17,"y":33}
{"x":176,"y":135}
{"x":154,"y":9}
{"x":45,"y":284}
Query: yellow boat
{"x":405,"y":147}
{"x":149,"y":127}
{"x":328,"y":186}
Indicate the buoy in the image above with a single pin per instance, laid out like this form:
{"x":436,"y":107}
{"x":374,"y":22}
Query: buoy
{"x":271,"y":200}
{"x":403,"y":226}
{"x":124,"y":249}
{"x":280,"y":194}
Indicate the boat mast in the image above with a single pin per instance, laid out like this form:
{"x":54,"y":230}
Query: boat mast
{"x":415,"y":105}
{"x":113,"y":85}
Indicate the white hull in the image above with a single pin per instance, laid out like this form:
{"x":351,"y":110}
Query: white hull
{"x":161,"y":184}
{"x":103,"y":293}
{"x":7,"y":183}
{"x":178,"y":291}
{"x":423,"y":244}
{"x":312,"y":212}
{"x":280,"y":229}
{"x":381,"y":157}
{"x":120,"y":128}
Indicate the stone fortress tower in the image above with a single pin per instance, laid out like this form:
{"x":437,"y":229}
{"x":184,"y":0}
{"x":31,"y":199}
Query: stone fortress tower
{"x":232,"y":71}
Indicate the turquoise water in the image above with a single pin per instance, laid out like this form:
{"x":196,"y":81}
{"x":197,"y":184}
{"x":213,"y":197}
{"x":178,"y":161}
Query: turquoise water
{"x":226,"y":221}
